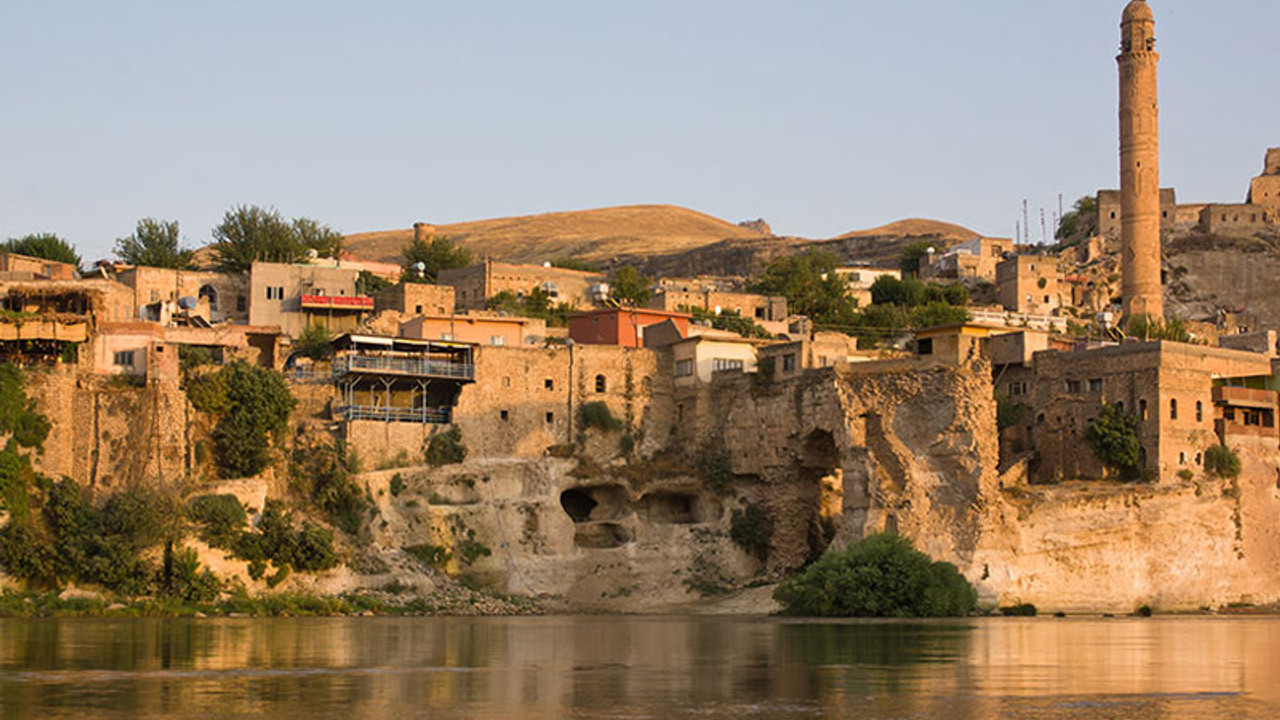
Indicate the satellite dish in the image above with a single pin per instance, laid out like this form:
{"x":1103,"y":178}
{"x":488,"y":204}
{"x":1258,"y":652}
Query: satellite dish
{"x":187,"y":302}
{"x":313,"y":253}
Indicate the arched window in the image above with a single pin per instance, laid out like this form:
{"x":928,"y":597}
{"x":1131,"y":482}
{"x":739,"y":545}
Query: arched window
{"x":1173,"y":408}
{"x":1142,"y":409}
{"x":209,"y":291}
{"x":601,"y":384}
{"x":1199,"y":411}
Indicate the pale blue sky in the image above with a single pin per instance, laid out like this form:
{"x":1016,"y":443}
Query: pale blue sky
{"x":819,"y":116}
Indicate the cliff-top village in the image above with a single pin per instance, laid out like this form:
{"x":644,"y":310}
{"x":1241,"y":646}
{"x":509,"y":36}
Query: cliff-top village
{"x":625,"y":438}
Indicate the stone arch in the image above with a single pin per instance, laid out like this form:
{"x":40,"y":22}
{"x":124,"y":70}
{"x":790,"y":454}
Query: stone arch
{"x":211,"y":292}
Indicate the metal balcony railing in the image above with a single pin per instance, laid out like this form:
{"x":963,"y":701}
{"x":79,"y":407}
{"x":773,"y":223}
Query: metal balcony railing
{"x":402,"y":366}
{"x":422,"y":415}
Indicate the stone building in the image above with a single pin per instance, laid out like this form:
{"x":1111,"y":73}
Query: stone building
{"x":1110,"y":211}
{"x":1168,"y":386}
{"x":474,"y":286}
{"x":415,"y":299}
{"x":821,"y":349}
{"x":975,"y":259}
{"x":761,"y":308}
{"x":14,"y":266}
{"x":293,"y":297}
{"x":218,"y":297}
{"x":859,"y":279}
{"x":1264,"y":190}
{"x":1029,"y":284}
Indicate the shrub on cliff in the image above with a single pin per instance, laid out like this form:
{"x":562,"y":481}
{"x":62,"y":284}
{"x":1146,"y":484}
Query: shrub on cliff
{"x":596,"y":415}
{"x":752,"y":529}
{"x":446,"y":448}
{"x":222,"y":516}
{"x":1113,"y":435}
{"x":1222,"y":461}
{"x":18,"y":416}
{"x":880,"y":576}
{"x":324,"y":474}
{"x":252,"y":405}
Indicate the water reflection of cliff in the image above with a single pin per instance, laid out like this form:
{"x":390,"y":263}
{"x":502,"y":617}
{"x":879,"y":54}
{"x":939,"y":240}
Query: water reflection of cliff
{"x":659,"y":667}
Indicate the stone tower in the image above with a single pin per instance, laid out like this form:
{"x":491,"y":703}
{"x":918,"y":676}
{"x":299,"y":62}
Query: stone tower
{"x":1139,"y":164}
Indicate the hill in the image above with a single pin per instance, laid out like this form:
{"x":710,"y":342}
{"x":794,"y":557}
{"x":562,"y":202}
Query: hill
{"x":915,"y":227}
{"x":635,"y":230}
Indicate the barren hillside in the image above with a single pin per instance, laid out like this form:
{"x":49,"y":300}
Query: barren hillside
{"x":589,"y":235}
{"x":916,"y":227}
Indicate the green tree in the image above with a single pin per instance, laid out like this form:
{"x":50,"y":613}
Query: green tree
{"x":249,"y":234}
{"x":1113,"y":435}
{"x":629,"y":287}
{"x":1080,"y":221}
{"x":315,"y":343}
{"x":913,"y":253}
{"x":434,"y":255}
{"x":155,"y":243}
{"x":43,"y":245}
{"x":536,"y":303}
{"x":879,"y":576}
{"x":730,"y":320}
{"x":18,"y":415}
{"x":809,"y":283}
{"x":312,"y":235}
{"x":253,"y":406}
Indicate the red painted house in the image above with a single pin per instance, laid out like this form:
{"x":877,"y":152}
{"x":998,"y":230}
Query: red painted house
{"x":620,"y":326}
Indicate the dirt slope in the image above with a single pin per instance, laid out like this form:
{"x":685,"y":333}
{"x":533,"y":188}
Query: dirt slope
{"x":589,"y":234}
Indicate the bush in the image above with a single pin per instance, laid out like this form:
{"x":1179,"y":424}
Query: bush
{"x":222,"y":516}
{"x":324,"y":474}
{"x":18,"y":414}
{"x":308,"y":550}
{"x":752,"y":529}
{"x":446,"y":448}
{"x":182,"y":577}
{"x":138,"y":518}
{"x":1023,"y":610}
{"x":252,"y":405}
{"x":397,"y":485}
{"x":880,"y":576}
{"x":596,"y":414}
{"x":1113,"y":435}
{"x":432,"y":555}
{"x":1222,"y":461}
{"x":717,"y":471}
{"x":314,"y":343}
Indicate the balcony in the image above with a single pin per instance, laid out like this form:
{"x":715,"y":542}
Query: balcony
{"x":422,"y":415}
{"x":354,"y":303}
{"x":1245,"y":397}
{"x":402,"y":366}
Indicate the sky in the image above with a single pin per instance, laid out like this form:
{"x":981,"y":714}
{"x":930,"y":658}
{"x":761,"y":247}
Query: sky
{"x":819,"y":116}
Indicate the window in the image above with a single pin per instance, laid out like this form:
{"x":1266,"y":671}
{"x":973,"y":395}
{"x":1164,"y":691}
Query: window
{"x":1073,"y":386}
{"x":497,"y":340}
{"x":1017,"y":388}
{"x":788,"y":363}
{"x":551,"y":417}
{"x":1095,"y":385}
{"x":719,"y":364}
{"x":241,"y":303}
{"x":506,"y":382}
{"x":1173,"y":409}
{"x":155,"y":296}
{"x":924,"y":347}
{"x":123,"y":358}
{"x":1142,"y":409}
{"x":417,"y":309}
{"x":601,"y":384}
{"x":549,"y":384}
{"x":504,"y":415}
{"x":275,"y":292}
{"x":1199,"y":458}
{"x":684,"y":368}
{"x":1182,"y":458}
{"x":759,"y":313}
{"x":1199,"y":411}
{"x":448,"y":336}
{"x":1046,"y":299}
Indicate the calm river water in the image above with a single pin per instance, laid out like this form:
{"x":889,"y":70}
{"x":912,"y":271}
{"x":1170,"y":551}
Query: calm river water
{"x":640,"y":667}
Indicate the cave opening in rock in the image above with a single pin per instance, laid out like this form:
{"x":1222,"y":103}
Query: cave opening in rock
{"x":601,"y":536}
{"x":578,"y":504}
{"x":671,"y":508}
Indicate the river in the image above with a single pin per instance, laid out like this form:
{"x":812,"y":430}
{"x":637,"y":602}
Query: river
{"x":630,"y":668}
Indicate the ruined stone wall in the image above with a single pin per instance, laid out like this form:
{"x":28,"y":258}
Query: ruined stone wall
{"x":110,"y":434}
{"x":525,"y":402}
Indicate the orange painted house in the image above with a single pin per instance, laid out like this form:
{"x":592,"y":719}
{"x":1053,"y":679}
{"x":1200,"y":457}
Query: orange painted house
{"x":621,"y":326}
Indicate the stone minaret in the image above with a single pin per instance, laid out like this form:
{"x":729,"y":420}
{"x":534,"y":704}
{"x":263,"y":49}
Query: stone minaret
{"x":1140,"y":164}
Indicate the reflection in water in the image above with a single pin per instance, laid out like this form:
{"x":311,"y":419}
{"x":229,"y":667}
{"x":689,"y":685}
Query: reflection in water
{"x":626,"y":667}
